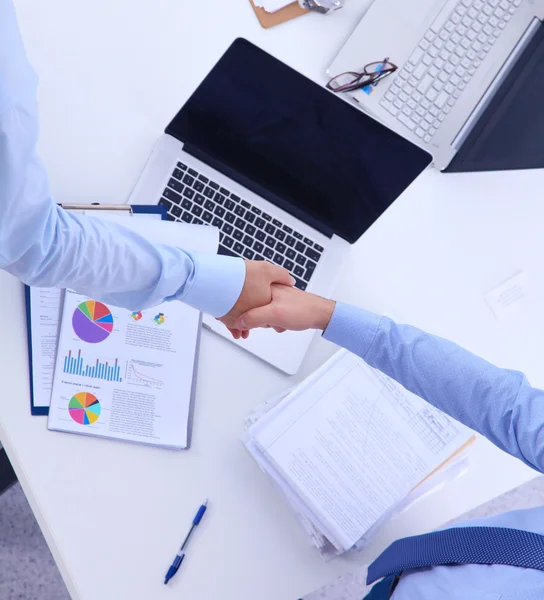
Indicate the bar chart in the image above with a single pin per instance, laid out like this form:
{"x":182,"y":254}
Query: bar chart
{"x":78,"y":365}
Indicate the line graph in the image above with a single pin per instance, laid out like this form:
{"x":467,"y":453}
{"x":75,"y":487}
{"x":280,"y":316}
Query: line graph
{"x":144,"y":374}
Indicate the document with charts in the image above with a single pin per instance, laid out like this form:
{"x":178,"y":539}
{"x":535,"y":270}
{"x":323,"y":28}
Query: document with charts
{"x":348,"y":446}
{"x":125,"y":375}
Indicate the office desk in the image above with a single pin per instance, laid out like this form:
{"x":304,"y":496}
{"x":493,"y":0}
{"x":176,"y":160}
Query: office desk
{"x":112,"y":75}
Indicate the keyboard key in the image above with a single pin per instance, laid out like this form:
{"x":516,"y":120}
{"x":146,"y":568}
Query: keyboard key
{"x":288,"y":264}
{"x":197,"y":221}
{"x":249,"y":217}
{"x":260,"y":235}
{"x":258,"y":257}
{"x":277,"y":223}
{"x":278,"y":259}
{"x":297,"y":235}
{"x":238,"y":248}
{"x":255,"y":210}
{"x":239,"y":210}
{"x":281,"y":247}
{"x":170,"y":217}
{"x":260,"y":223}
{"x":186,"y":204}
{"x":300,"y":260}
{"x":299,"y":271}
{"x":209,"y":193}
{"x":308,"y":242}
{"x":287,"y":229}
{"x":226,"y":251}
{"x":248,"y":241}
{"x":300,"y":247}
{"x":203,"y":179}
{"x":280,"y":235}
{"x":229,"y":242}
{"x":266,"y":217}
{"x":229,"y":205}
{"x":176,"y":211}
{"x":301,"y":285}
{"x":224,"y":191}
{"x":166,"y":203}
{"x":318,"y":248}
{"x":196,"y":210}
{"x":219,"y":211}
{"x":249,"y":254}
{"x":245,"y":204}
{"x":270,"y":241}
{"x":290,"y":240}
{"x":217,"y":222}
{"x":209,"y":205}
{"x":312,"y":254}
{"x":178,"y":174}
{"x":189,"y":193}
{"x":188,"y":179}
{"x":240,"y":223}
{"x":171,"y":195}
{"x":227,"y":228}
{"x":176,"y":185}
{"x":219,"y":198}
{"x":182,"y":166}
{"x":250,"y":230}
{"x":258,"y":247}
{"x":214,"y":185}
{"x":186,"y":217}
{"x":207,"y":217}
{"x":291,"y":253}
{"x":269,"y":253}
{"x":198,"y":186}
{"x":199,"y":199}
{"x":235,"y":197}
{"x":270,"y":229}
{"x":193,"y":173}
{"x":238,"y":235}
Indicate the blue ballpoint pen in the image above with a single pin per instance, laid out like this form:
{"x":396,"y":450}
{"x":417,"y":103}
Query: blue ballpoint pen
{"x":181,"y":554}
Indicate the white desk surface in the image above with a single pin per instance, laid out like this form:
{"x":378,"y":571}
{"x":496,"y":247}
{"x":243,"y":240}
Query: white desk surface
{"x":112,"y":75}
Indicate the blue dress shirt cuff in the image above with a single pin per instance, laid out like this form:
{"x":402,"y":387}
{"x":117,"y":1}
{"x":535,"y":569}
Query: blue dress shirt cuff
{"x":217,"y":284}
{"x":352,"y":328}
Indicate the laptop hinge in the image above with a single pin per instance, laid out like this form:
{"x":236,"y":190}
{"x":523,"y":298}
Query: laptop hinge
{"x":257,"y":189}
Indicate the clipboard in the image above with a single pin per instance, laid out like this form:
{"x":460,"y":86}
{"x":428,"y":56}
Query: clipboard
{"x":39,"y":410}
{"x":268,"y":20}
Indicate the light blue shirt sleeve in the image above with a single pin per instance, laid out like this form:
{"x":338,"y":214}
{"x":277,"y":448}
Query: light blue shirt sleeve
{"x":498,"y":403}
{"x":45,"y":246}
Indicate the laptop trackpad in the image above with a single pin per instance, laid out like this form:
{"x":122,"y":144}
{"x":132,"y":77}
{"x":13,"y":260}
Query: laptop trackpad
{"x":510,"y":133}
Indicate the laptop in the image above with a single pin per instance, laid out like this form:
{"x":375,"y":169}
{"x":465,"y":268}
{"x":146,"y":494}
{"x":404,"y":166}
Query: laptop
{"x":468,"y":82}
{"x":285,"y":170}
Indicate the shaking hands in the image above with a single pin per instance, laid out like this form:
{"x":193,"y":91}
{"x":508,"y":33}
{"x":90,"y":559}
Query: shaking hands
{"x":268,"y":299}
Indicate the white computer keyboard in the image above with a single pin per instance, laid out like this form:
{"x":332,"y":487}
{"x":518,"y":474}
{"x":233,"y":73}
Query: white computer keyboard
{"x":433,"y":78}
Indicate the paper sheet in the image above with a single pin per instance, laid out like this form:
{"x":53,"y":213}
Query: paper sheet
{"x":509,"y":297}
{"x":45,"y":303}
{"x":353,"y":444}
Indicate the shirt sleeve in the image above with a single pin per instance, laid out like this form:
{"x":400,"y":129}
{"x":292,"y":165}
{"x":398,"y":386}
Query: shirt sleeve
{"x":498,"y":403}
{"x":45,"y":246}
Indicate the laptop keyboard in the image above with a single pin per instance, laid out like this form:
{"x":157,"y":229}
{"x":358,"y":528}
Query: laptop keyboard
{"x":433,"y":78}
{"x":245,"y":230}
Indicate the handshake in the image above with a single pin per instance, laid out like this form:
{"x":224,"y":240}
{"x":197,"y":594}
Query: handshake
{"x":269,"y":299}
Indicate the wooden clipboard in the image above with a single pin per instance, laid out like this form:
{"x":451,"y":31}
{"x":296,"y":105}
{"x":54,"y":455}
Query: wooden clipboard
{"x":268,"y":20}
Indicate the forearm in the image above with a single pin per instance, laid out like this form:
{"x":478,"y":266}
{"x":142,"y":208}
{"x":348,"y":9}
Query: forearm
{"x":498,"y":403}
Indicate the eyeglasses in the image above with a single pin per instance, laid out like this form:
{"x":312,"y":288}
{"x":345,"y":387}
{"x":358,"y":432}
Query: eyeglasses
{"x":372,"y":74}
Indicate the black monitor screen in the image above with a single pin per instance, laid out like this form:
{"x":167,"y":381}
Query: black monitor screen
{"x":293,"y":142}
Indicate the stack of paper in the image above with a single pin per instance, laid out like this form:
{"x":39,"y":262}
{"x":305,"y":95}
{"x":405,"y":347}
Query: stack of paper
{"x":350,"y":447}
{"x":272,"y":6}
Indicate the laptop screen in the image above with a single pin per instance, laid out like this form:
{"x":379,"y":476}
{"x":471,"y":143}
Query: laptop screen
{"x":294,"y":143}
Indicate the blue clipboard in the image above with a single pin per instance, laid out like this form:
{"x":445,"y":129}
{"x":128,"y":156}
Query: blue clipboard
{"x":122,"y":208}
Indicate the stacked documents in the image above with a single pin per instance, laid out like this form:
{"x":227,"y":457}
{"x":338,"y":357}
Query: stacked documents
{"x":272,"y":6}
{"x":350,"y":447}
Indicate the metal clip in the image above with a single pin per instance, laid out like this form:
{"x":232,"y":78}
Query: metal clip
{"x":321,"y":6}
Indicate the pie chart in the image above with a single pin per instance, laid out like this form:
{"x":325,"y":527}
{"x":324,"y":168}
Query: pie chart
{"x":92,"y":322}
{"x":84,"y":408}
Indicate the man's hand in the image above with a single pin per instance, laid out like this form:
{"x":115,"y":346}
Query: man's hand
{"x":289,"y":309}
{"x":257,"y":291}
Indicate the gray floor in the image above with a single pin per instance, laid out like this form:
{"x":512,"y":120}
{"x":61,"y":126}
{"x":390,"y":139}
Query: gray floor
{"x":27,"y":570}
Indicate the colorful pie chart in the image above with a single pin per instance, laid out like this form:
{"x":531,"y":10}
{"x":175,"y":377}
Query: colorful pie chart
{"x":92,"y":322}
{"x":84,"y":408}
